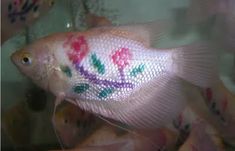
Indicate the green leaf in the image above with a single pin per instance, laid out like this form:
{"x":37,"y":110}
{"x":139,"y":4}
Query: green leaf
{"x":81,"y":88}
{"x":66,"y":70}
{"x":97,"y":64}
{"x":137,"y":70}
{"x":105,"y":92}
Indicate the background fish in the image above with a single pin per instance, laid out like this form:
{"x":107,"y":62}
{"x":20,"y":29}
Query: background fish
{"x":115,"y":72}
{"x":221,"y":104}
{"x":18,"y":14}
{"x":107,"y":137}
{"x":216,"y":106}
{"x":200,"y":140}
{"x":194,"y":132}
{"x":73,"y":125}
{"x":15,"y":123}
{"x":161,"y":139}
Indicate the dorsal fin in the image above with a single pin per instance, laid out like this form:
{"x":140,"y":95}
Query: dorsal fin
{"x":146,"y":33}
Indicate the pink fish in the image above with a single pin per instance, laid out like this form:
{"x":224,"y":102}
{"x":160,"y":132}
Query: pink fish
{"x":200,"y":140}
{"x":18,"y":14}
{"x":221,"y":104}
{"x":216,"y":106}
{"x":116,"y":73}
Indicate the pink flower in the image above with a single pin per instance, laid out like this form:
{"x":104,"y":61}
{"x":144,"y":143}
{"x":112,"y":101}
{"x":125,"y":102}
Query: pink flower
{"x":121,"y":57}
{"x":78,"y":48}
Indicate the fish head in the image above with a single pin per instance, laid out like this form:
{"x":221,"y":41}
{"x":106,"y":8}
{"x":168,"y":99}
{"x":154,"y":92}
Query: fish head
{"x":36,"y":62}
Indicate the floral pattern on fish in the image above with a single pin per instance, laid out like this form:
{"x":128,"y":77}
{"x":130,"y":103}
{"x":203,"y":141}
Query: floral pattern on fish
{"x":78,"y":49}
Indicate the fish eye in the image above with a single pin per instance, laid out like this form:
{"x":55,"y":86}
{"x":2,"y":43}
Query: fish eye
{"x":26,"y":59}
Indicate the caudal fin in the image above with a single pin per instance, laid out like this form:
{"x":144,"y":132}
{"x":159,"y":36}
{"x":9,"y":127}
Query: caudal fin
{"x":196,"y":63}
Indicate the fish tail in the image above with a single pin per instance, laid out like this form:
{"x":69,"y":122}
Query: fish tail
{"x":196,"y":63}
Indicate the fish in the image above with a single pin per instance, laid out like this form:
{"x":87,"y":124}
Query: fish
{"x":215,"y":105}
{"x":183,"y":124}
{"x":115,"y":73}
{"x":221,"y":103}
{"x":201,"y":140}
{"x":82,"y":130}
{"x":223,"y":14}
{"x":18,"y":14}
{"x":15,"y":123}
{"x":73,"y":125}
{"x":195,"y":132}
{"x":108,"y":136}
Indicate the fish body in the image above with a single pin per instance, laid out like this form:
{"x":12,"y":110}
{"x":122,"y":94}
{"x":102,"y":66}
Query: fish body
{"x":116,"y":73}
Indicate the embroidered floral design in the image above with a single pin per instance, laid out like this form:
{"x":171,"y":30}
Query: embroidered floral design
{"x":81,"y":88}
{"x":137,"y":70}
{"x":97,"y":64}
{"x":122,"y":57}
{"x":105,"y":92}
{"x":78,"y":48}
{"x":66,"y":70}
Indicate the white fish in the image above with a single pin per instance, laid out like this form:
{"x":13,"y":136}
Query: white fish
{"x":116,"y":73}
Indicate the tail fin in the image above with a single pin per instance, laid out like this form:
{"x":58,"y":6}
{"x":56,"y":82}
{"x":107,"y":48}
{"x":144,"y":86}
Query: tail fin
{"x":196,"y":63}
